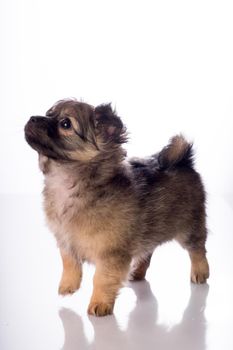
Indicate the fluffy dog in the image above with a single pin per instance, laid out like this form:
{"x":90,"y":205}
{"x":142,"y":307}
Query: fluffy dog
{"x":111,"y":211}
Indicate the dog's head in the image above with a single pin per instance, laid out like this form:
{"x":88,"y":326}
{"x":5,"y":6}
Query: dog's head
{"x":75,"y":131}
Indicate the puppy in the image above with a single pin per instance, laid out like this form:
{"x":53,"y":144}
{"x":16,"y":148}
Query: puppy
{"x":111,"y":211}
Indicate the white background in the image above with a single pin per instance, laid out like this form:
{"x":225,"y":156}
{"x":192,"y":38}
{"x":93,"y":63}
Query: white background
{"x":167,"y":66}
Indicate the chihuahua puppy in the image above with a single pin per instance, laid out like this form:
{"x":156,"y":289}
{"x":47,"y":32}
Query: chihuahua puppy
{"x":111,"y":211}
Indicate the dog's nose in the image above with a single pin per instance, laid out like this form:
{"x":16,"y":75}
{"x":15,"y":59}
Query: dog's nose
{"x":33,"y":119}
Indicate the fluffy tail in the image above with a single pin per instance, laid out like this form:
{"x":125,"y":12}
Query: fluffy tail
{"x":177,"y":153}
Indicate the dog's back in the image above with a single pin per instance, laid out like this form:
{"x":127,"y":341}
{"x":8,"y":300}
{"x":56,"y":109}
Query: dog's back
{"x":171,"y":196}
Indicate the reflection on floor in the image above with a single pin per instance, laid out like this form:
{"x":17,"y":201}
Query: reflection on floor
{"x":163,"y":312}
{"x":142,"y":329}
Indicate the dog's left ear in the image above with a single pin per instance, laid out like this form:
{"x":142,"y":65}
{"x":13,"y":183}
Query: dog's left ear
{"x":109,"y":125}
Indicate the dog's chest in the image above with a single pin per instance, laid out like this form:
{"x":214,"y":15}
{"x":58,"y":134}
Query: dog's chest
{"x":81,"y":221}
{"x":68,"y":216}
{"x":60,"y":198}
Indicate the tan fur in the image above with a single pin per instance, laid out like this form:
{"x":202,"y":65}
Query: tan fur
{"x":71,"y":276}
{"x":176,"y":149}
{"x":43,"y":163}
{"x":179,"y":144}
{"x":107,"y":281}
{"x":84,"y":156}
{"x":200,"y":267}
{"x":90,"y":232}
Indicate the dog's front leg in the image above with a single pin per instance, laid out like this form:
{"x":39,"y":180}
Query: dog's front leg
{"x":109,"y":276}
{"x":71,"y":275}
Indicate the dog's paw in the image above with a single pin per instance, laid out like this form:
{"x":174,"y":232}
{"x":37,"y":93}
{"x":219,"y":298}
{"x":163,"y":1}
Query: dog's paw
{"x":68,"y":287}
{"x":100,"y":309}
{"x":199,"y":278}
{"x":200,"y":273}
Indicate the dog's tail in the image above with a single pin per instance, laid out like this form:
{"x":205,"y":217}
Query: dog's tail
{"x":177,"y":153}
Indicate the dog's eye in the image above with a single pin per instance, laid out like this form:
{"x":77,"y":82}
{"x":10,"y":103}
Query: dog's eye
{"x":65,"y":123}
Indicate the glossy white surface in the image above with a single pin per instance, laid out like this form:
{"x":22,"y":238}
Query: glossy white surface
{"x":163,"y":312}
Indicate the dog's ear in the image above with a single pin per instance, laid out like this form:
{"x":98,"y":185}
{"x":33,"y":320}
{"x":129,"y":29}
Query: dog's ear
{"x":109,"y":125}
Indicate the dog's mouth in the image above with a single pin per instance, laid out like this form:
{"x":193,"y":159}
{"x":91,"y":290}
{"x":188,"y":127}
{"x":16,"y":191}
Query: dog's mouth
{"x":29,"y":131}
{"x":31,"y":134}
{"x":35,"y":139}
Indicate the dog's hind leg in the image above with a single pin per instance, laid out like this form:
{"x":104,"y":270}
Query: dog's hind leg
{"x":199,"y":267}
{"x":194,"y":243}
{"x":139,"y":269}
